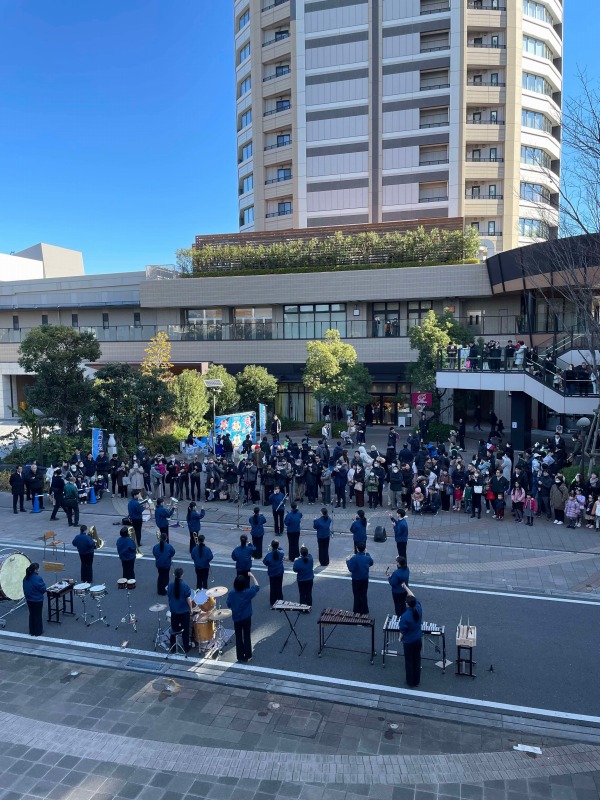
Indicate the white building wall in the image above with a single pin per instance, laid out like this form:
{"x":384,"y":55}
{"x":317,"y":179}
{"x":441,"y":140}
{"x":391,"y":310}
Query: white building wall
{"x":338,"y":164}
{"x":337,"y":92}
{"x":334,"y":18}
{"x":340,"y":128}
{"x":18,"y":268}
{"x":337,"y":55}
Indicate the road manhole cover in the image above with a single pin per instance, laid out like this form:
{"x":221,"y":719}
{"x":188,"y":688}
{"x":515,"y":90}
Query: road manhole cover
{"x":299,"y":723}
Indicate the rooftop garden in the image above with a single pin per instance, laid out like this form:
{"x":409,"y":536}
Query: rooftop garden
{"x":341,"y":251}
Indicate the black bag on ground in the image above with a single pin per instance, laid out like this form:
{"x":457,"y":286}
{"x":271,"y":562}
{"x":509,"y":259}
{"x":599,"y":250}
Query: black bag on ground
{"x":380,"y":534}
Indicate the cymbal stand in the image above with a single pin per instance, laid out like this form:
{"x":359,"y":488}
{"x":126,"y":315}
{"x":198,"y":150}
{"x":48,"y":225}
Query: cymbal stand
{"x":129,"y":618}
{"x":101,"y":615}
{"x":159,"y":631}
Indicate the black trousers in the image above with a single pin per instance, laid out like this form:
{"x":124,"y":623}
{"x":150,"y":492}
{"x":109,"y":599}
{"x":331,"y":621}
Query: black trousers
{"x":476,"y":505}
{"x":128,"y":569}
{"x":323,"y":551}
{"x":293,"y":545}
{"x":276,"y":588}
{"x":162,"y":580}
{"x":20,"y":499}
{"x":36,"y":626}
{"x":136,"y":524}
{"x":399,"y":603}
{"x":359,"y":590}
{"x":305,"y":591}
{"x":412,"y":659}
{"x":340,"y":496}
{"x":401,"y":547}
{"x":278,"y":521}
{"x":165,"y":530}
{"x":202,"y":578}
{"x":250,"y":491}
{"x":72,"y":509}
{"x":183,"y":485}
{"x":195,"y":486}
{"x":243,"y":641}
{"x":257,"y":541}
{"x":87,"y":572}
{"x":181,"y":622}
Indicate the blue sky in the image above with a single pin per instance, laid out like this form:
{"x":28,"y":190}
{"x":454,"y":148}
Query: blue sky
{"x":117,"y":133}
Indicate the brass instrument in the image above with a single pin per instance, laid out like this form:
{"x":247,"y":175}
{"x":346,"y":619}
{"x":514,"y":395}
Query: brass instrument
{"x":97,"y":540}
{"x":138,"y":552}
{"x":173,"y":503}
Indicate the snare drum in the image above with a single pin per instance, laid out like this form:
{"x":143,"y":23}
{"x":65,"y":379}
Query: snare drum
{"x":12,"y":572}
{"x":81,"y":589}
{"x":131,"y":584}
{"x":98,"y":591}
{"x":122,"y":583}
{"x":205,"y":602}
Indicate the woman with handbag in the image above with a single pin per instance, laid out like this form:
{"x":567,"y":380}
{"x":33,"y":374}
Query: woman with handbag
{"x":475,"y":483}
{"x":122,"y":474}
{"x":446,"y":489}
{"x":359,"y":485}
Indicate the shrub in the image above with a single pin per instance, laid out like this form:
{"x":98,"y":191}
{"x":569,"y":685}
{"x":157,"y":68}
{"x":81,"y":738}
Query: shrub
{"x":56,"y":448}
{"x":439,"y":431}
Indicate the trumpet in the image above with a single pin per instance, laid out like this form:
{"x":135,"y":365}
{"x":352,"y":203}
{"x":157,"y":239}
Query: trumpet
{"x":97,"y":540}
{"x":138,"y":552}
{"x":173,"y":503}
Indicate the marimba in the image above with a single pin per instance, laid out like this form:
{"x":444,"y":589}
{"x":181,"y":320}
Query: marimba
{"x":336,"y":616}
{"x":289,"y":606}
{"x":430,"y":630}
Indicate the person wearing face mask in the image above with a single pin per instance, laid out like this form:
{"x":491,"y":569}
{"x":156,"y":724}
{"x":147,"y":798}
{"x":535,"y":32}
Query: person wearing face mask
{"x":558,"y":498}
{"x":395,"y":486}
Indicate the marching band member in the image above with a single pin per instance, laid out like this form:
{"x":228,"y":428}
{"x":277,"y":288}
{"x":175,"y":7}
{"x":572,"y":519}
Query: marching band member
{"x":240,"y":603}
{"x":322,"y":525}
{"x":257,"y":531}
{"x":134,"y":511}
{"x":242,"y":555}
{"x":358,"y":566}
{"x":400,"y":526}
{"x":163,"y":553}
{"x":410,"y":628}
{"x":34,"y":590}
{"x":303,"y":567}
{"x":85,"y":546}
{"x":202,"y":556}
{"x":193,"y":518}
{"x":292,"y":523}
{"x":273,"y":561}
{"x":162,"y":516}
{"x":397,"y":580}
{"x":358,"y":529}
{"x":180,"y":606}
{"x":127,"y":551}
{"x":277,"y":501}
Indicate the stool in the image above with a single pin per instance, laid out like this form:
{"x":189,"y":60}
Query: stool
{"x":178,"y":647}
{"x":465,"y":663}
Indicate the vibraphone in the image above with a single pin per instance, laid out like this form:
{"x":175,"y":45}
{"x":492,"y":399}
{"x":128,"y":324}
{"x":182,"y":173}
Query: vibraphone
{"x":337,"y":616}
{"x":430,"y":631}
{"x":289,"y":606}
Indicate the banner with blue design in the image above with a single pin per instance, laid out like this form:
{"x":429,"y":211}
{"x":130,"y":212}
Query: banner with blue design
{"x":262,"y":416}
{"x":97,"y":441}
{"x":238,"y":426}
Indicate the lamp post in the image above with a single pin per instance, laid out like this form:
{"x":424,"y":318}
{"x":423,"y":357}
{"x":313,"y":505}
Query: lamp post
{"x":583,"y":423}
{"x":39,"y":417}
{"x":214,"y":385}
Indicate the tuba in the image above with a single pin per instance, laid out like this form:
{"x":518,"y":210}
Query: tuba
{"x":97,"y":540}
{"x":138,"y":552}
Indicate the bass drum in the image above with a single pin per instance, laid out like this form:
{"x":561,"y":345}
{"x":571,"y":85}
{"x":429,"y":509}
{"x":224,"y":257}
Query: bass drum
{"x":12,"y":571}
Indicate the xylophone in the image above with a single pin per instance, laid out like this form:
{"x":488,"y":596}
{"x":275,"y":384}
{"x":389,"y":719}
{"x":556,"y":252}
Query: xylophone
{"x":391,"y":633}
{"x":336,"y":616}
{"x":288,"y":607}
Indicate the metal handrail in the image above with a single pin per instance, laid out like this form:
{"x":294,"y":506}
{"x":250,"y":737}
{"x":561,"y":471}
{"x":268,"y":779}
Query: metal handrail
{"x":276,"y":75}
{"x":429,"y":163}
{"x":486,"y":83}
{"x":438,"y":10}
{"x":276,"y":110}
{"x":432,"y":199}
{"x":434,"y":86}
{"x":276,"y":145}
{"x":434,"y":49}
{"x":434,"y":124}
{"x":485,"y":122}
{"x":274,"y":5}
{"x":483,"y":196}
{"x":276,"y":39}
{"x":278,"y":180}
{"x":278,"y":213}
{"x":474,"y":160}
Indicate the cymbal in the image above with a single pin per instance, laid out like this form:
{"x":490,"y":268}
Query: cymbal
{"x":158,"y":607}
{"x":217,"y":591}
{"x":219,"y":613}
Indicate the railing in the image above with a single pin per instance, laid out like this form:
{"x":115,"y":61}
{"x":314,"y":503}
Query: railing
{"x":469,"y":196}
{"x":487,"y":46}
{"x":485,"y":122}
{"x":437,"y":10}
{"x":434,"y":86}
{"x":486,"y":83}
{"x":278,"y":180}
{"x":278,"y":144}
{"x":478,"y":160}
{"x":473,"y":5}
{"x":430,"y":163}
{"x":274,"y":5}
{"x":276,"y":75}
{"x":433,"y":199}
{"x":278,"y":213}
{"x":276,"y":39}
{"x":423,"y":125}
{"x":435,"y":49}
{"x":277,"y":110}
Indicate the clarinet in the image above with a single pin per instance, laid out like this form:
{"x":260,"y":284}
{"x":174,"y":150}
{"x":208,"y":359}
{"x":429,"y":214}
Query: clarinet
{"x":282,"y":502}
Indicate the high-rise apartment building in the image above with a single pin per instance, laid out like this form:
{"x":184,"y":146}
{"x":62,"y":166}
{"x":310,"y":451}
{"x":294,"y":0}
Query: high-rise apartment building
{"x":361,"y":111}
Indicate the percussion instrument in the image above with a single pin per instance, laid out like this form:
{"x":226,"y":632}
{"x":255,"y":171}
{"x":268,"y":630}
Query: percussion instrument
{"x":432,"y":632}
{"x":203,"y":629}
{"x":12,"y":571}
{"x":122,"y":583}
{"x":131,"y":584}
{"x":203,"y":600}
{"x":98,"y":591}
{"x":81,"y":589}
{"x":337,"y":616}
{"x":219,"y":614}
{"x":289,"y":606}
{"x":157,"y":608}
{"x":217,"y":591}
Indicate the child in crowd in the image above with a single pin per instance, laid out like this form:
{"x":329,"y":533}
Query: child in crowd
{"x":500,"y":505}
{"x":417,"y":500}
{"x":517,"y":497}
{"x":589,"y":512}
{"x":529,"y":509}
{"x":580,"y":497}
{"x":571,"y":509}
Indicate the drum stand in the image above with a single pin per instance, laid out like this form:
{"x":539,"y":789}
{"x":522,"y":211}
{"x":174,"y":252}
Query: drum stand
{"x":101,"y":615}
{"x":177,"y":648}
{"x":85,"y":615}
{"x":130,"y":617}
{"x":159,"y":631}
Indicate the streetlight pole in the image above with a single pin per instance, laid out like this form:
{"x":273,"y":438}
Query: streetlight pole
{"x":214,"y":385}
{"x":39,"y":417}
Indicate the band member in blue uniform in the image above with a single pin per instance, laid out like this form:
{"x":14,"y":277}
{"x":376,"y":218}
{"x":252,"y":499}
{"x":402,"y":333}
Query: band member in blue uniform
{"x":358,"y":566}
{"x":202,"y":556}
{"x":240,"y":603}
{"x":34,"y":590}
{"x":163,"y":553}
{"x":273,"y":561}
{"x":85,"y":547}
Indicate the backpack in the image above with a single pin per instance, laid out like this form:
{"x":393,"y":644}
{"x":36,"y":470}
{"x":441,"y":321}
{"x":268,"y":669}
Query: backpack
{"x":372,"y":483}
{"x":380,"y":535}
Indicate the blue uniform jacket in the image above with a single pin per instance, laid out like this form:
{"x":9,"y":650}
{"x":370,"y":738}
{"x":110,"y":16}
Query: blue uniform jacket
{"x":257,"y":529}
{"x":202,"y":556}
{"x":292,"y":521}
{"x":126,"y":548}
{"x":397,"y":578}
{"x":277,"y":501}
{"x":400,"y":530}
{"x":274,"y":568}
{"x":411,"y":630}
{"x":304,"y":569}
{"x":358,"y":531}
{"x":240,"y":603}
{"x":164,"y":559}
{"x":179,"y":605}
{"x":34,"y":589}
{"x":359,"y":565}
{"x":134,"y":509}
{"x":193,"y":522}
{"x":84,"y":543}
{"x":161,"y":516}
{"x":243,"y":557}
{"x":322,"y":526}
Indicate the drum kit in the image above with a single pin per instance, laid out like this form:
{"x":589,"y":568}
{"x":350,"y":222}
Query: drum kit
{"x":97,"y":593}
{"x":130,"y":618}
{"x":207,"y":619}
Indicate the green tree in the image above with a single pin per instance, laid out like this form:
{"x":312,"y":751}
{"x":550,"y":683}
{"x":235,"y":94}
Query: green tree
{"x":158,"y":357}
{"x":256,"y":385}
{"x":228,"y":399}
{"x":333,"y":373}
{"x":191,"y":398}
{"x":115,"y":402}
{"x":55,"y":354}
{"x":155,"y":401}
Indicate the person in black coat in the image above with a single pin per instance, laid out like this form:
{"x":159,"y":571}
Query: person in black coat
{"x":17,"y":487}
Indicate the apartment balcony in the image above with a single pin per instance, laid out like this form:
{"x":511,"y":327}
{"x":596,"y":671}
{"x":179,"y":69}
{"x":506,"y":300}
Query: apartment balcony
{"x":484,"y":169}
{"x":271,"y":5}
{"x":432,"y":87}
{"x":433,"y":162}
{"x":274,"y":214}
{"x":276,"y":76}
{"x":280,"y":110}
{"x":276,"y":153}
{"x":276,"y":119}
{"x":434,"y":49}
{"x":484,"y":205}
{"x":273,"y":40}
{"x":275,"y":12}
{"x":442,"y":198}
{"x":485,"y":93}
{"x":277,"y":187}
{"x":442,"y":8}
{"x":485,"y":56}
{"x":486,"y":16}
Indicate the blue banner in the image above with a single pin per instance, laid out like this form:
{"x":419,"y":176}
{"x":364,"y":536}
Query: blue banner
{"x":97,"y":441}
{"x":238,"y":426}
{"x":262,"y":416}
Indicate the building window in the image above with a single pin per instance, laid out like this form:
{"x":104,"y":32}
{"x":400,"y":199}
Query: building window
{"x":248,"y":184}
{"x":282,"y":34}
{"x":535,"y":47}
{"x":244,"y":53}
{"x":537,"y":11}
{"x":282,"y":105}
{"x":534,"y":83}
{"x":533,"y":228}
{"x":253,"y":323}
{"x":105,"y":320}
{"x":206,"y":324}
{"x":492,"y":228}
{"x":137,"y":319}
{"x":417,"y":309}
{"x":244,"y":19}
{"x":534,"y":193}
{"x":386,"y":320}
{"x":285,"y":207}
{"x":15,"y":322}
{"x":312,"y":321}
{"x":245,"y":86}
{"x":535,"y":120}
{"x":536,"y":157}
{"x":284,"y":173}
{"x":246,"y":119}
{"x":283,"y":139}
{"x":247,"y":151}
{"x":44,"y":319}
{"x":493,"y":154}
{"x":282,"y":69}
{"x":494,"y":79}
{"x":248,"y":215}
{"x":475,"y":226}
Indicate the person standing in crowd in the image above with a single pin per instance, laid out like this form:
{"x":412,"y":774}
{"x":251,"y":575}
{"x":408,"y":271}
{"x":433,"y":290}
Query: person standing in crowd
{"x":275,"y":428}
{"x":163,"y":553}
{"x":162,"y":516}
{"x":35,"y":483}
{"x":322,"y":525}
{"x":17,"y":488}
{"x":195,"y":478}
{"x":257,"y":531}
{"x":400,"y":525}
{"x":242,"y":555}
{"x":71,"y":502}
{"x":86,"y":547}
{"x":180,"y":606}
{"x":462,"y":432}
{"x":558,"y":499}
{"x":273,"y":561}
{"x":410,"y":628}
{"x":358,"y":529}
{"x":358,"y":566}
{"x":477,"y":417}
{"x":135,"y":511}
{"x":127,"y":551}
{"x":475,"y":483}
{"x":398,"y":580}
{"x":202,"y":556}
{"x":193,"y":519}
{"x":529,"y":509}
{"x":240,"y":603}
{"x":292,"y":522}
{"x":277,"y":501}
{"x":57,"y":493}
{"x":34,"y":590}
{"x":304,"y":569}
